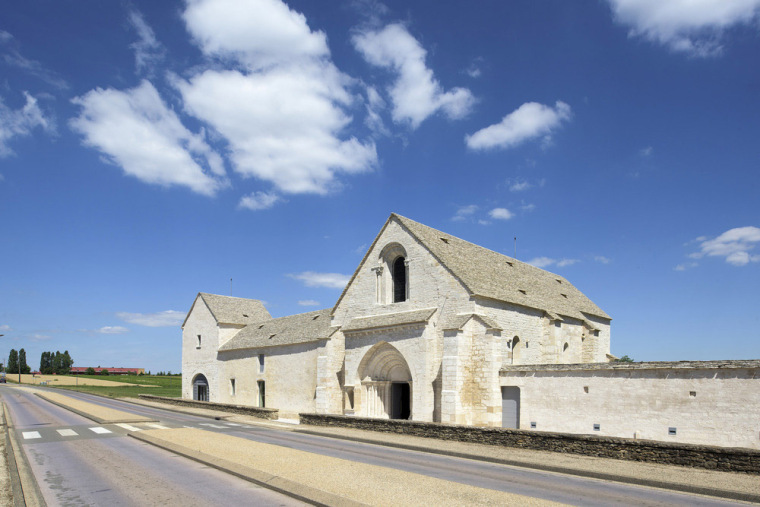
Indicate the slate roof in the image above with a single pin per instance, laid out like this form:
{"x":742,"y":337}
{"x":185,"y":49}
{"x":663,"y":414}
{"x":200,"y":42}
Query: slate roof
{"x":493,"y":275}
{"x":389,"y":320}
{"x":290,"y":330}
{"x":229,"y":310}
{"x":458,"y":321}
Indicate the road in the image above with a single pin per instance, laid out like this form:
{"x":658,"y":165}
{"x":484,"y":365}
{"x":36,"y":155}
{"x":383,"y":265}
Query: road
{"x":98,"y":468}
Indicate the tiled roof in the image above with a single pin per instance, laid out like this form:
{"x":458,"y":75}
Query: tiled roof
{"x":389,"y":320}
{"x":229,"y":310}
{"x":493,"y":275}
{"x":300,"y":328}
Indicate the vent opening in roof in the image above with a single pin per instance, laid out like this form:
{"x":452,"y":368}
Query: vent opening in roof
{"x":245,"y":315}
{"x":445,"y":240}
{"x":261,"y":326}
{"x":558,"y":280}
{"x":272,"y":336}
{"x":521,"y":290}
{"x":564,"y":295}
{"x":511,"y":265}
{"x":315,"y":317}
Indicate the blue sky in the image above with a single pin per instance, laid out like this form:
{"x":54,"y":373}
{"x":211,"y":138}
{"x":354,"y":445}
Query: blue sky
{"x":152,"y":150}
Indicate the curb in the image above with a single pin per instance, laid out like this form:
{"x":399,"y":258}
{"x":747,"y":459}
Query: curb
{"x":720,"y":493}
{"x":26,"y":491}
{"x":91,"y":417}
{"x":273,"y":482}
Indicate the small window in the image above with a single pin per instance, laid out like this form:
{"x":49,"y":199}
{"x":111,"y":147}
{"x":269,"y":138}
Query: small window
{"x":232,"y":387}
{"x":567,"y":345}
{"x":399,"y":280}
{"x":199,"y":342}
{"x":510,"y":264}
{"x":445,"y":240}
{"x":564,"y":295}
{"x":262,"y":394}
{"x":261,"y":362}
{"x":671,"y":431}
{"x":693,"y":394}
{"x":597,"y":427}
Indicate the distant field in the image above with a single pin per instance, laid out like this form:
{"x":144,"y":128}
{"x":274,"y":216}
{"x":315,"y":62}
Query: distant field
{"x":131,"y":386}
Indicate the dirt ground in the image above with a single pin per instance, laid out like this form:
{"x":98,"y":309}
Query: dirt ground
{"x":61,"y":380}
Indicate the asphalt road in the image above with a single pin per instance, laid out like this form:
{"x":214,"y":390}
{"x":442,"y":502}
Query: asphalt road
{"x":77,"y":463}
{"x":112,"y":452}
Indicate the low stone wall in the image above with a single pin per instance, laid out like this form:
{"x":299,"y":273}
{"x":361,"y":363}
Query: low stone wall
{"x":729,"y":459}
{"x":263,"y":413}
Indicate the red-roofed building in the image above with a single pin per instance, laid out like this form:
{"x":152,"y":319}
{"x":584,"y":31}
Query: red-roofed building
{"x":81,"y":370}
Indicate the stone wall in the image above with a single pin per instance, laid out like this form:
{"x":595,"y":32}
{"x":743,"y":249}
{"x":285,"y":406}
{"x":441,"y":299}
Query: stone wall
{"x":700,"y":456}
{"x":263,"y":413}
{"x":698,"y":402}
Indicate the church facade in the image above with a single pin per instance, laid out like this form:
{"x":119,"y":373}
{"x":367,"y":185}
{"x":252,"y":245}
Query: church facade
{"x":422,"y":331}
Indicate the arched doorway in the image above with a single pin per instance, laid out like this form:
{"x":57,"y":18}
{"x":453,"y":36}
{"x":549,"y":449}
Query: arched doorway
{"x":200,"y":388}
{"x":386,"y":383}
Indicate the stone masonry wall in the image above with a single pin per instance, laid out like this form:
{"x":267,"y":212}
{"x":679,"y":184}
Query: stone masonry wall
{"x":700,"y":456}
{"x":263,"y":413}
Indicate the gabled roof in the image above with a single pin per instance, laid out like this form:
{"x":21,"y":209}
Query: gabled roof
{"x":229,"y":310}
{"x":300,"y":328}
{"x":492,"y":275}
{"x":458,"y":321}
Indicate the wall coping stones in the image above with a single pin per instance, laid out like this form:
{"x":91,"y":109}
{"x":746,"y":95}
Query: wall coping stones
{"x":263,"y":413}
{"x":728,"y":459}
{"x":650,"y":365}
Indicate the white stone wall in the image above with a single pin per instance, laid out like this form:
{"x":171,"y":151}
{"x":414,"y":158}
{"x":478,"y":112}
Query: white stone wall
{"x":200,"y":360}
{"x":290,"y":376}
{"x":705,"y":405}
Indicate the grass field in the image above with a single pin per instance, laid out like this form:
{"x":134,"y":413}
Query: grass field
{"x":133,"y":386}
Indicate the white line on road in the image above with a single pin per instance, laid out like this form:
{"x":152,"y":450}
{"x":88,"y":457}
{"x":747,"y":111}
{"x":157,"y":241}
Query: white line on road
{"x":67,"y":433}
{"x":212,"y":425}
{"x":156,"y":426}
{"x":99,"y":430}
{"x":28,"y":435}
{"x":128,"y":427}
{"x":233,"y":424}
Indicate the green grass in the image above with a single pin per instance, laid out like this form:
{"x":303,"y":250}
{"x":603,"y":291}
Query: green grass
{"x":164,"y":386}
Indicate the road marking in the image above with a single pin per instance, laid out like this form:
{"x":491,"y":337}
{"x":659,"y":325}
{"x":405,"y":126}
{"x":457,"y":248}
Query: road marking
{"x":99,"y":430}
{"x":128,"y":427}
{"x":67,"y":433}
{"x":212,"y":425}
{"x":233,"y":424}
{"x":28,"y":435}
{"x":156,"y":426}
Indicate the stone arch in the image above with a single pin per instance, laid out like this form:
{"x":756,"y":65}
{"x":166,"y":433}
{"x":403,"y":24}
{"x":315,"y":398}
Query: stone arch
{"x":200,"y":388}
{"x":386,"y":383}
{"x":394,"y":270}
{"x":517,"y":348}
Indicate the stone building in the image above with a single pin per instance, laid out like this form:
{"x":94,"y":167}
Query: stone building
{"x":433,"y":328}
{"x":420,"y":332}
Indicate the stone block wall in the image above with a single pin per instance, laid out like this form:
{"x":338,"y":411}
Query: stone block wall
{"x":263,"y":413}
{"x":699,"y":456}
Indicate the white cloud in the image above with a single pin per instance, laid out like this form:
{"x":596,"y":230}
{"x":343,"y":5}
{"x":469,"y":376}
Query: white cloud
{"x":689,"y":26}
{"x":375,"y":104}
{"x":148,"y":51}
{"x":139,"y":133}
{"x":259,"y":200}
{"x":735,"y":246}
{"x":13,"y":57}
{"x":646,"y":152}
{"x":415,"y":94}
{"x":6,"y":327}
{"x":529,"y":121}
{"x":543,"y":262}
{"x":602,"y":259}
{"x":500,"y":214}
{"x":519,"y":186}
{"x":308,"y":302}
{"x":684,"y":267}
{"x":528,"y":207}
{"x":167,"y":318}
{"x":37,"y":337}
{"x":464,"y":212}
{"x":21,"y":122}
{"x":283,"y":114}
{"x":112,"y":330}
{"x":258,"y":33}
{"x":330,"y":280}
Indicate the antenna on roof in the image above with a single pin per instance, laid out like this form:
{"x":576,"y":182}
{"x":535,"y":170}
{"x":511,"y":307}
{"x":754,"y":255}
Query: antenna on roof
{"x":515,"y":247}
{"x":230,"y":287}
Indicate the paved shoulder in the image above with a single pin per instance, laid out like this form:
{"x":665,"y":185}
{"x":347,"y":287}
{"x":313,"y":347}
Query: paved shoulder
{"x":97,"y":413}
{"x":323,"y":479}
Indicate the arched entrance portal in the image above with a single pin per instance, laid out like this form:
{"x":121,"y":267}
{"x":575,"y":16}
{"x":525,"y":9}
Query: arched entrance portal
{"x":200,"y":388}
{"x":386,"y":383}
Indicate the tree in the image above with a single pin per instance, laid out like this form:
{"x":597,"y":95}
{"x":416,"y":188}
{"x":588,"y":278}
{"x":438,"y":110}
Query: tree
{"x":104,"y":372}
{"x":56,"y":362}
{"x":624,"y":359}
{"x":90,"y":371}
{"x":66,"y":363}
{"x":22,"y":361}
{"x":12,"y":362}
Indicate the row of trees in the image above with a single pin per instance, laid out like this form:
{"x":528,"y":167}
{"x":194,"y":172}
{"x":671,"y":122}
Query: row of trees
{"x":16,"y":360}
{"x":57,"y":363}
